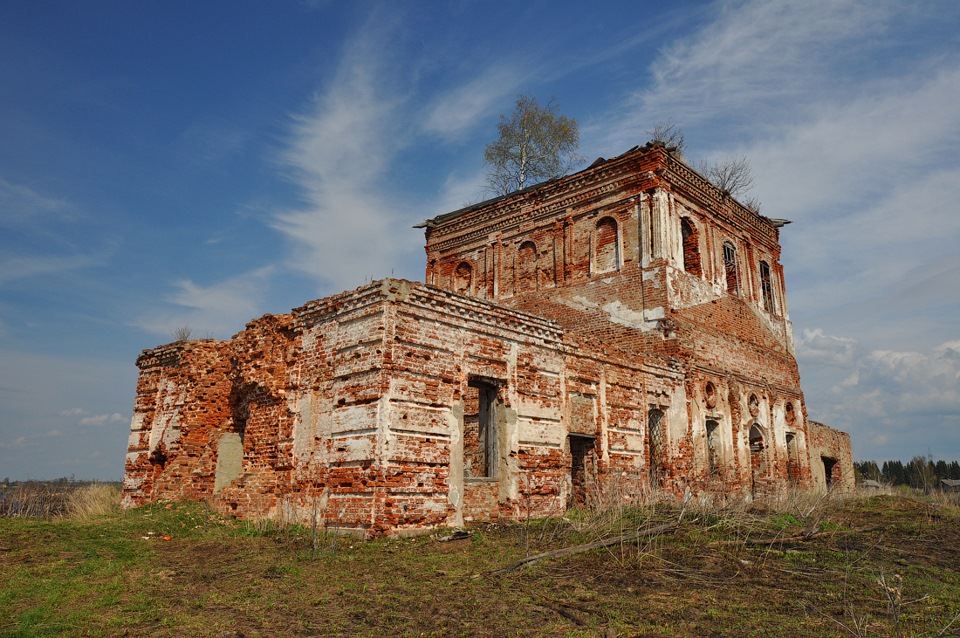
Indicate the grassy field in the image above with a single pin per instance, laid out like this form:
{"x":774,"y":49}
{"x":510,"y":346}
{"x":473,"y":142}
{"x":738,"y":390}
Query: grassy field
{"x":871,"y":566}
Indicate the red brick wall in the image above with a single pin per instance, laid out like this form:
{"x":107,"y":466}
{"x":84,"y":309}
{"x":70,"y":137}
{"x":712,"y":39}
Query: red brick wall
{"x":571,"y":302}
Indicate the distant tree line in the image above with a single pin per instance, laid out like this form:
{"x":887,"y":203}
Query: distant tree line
{"x":920,"y":472}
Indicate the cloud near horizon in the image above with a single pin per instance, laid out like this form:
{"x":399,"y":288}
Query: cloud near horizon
{"x":103,"y":419}
{"x":887,"y":395}
{"x":220,"y":309}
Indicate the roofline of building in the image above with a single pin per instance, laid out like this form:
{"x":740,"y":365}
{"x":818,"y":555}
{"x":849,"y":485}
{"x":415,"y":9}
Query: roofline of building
{"x":439,"y":220}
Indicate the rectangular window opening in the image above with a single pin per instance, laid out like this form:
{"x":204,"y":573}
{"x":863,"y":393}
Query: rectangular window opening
{"x":766,"y":288}
{"x":480,"y":430}
{"x":713,"y":446}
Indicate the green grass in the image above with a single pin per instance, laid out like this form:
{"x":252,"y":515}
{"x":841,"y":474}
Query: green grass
{"x":719,"y":573}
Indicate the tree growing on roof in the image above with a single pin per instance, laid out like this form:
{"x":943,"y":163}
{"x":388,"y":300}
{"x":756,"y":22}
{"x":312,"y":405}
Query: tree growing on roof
{"x":536,"y":143}
{"x":733,"y":175}
{"x":668,"y":133}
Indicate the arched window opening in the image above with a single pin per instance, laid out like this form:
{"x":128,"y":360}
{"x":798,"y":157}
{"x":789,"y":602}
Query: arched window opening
{"x":756,"y":438}
{"x":655,"y":445}
{"x":710,"y":395}
{"x":527,"y":266}
{"x":790,"y":415}
{"x":463,"y":278}
{"x":758,"y":466}
{"x":766,"y":287}
{"x":607,"y":256}
{"x":713,"y":446}
{"x":730,"y":268}
{"x":691,"y":247}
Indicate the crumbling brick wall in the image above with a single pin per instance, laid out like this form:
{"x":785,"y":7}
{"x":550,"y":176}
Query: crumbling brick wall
{"x":831,"y":461}
{"x":582,"y":342}
{"x":698,"y":296}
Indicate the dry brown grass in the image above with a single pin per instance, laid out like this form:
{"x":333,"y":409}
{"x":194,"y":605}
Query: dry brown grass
{"x":51,"y":499}
{"x":92,"y":500}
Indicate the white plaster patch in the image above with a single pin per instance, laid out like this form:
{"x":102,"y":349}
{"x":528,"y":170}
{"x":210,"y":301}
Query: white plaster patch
{"x":539,"y":432}
{"x":626,"y":316}
{"x":580,"y":302}
{"x":229,"y":460}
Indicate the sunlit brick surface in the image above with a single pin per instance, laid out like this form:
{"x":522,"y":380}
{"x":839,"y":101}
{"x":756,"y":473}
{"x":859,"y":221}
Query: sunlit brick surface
{"x":582,"y":306}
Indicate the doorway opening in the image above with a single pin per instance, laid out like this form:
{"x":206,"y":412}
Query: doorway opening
{"x":829,"y":465}
{"x":480,"y":430}
{"x":581,"y":469}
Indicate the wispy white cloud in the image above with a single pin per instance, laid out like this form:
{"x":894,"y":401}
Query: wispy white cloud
{"x":861,"y":148}
{"x":349,"y":228}
{"x":40,"y":235}
{"x":906,"y":398}
{"x":220,"y":308}
{"x":21,"y":204}
{"x":913,"y":382}
{"x":102,"y":419}
{"x":22,"y":267}
{"x":752,"y":59}
{"x":44,"y":394}
{"x":89,"y":419}
{"x":15,"y":443}
{"x":464,"y":106}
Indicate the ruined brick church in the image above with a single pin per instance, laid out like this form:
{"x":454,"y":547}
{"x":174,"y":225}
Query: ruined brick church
{"x":608,"y":336}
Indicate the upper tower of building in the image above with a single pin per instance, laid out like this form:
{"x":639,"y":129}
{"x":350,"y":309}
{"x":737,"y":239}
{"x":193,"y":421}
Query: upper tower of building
{"x":637,"y":249}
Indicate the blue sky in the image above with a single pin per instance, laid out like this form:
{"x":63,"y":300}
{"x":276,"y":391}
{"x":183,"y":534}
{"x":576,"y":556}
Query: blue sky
{"x":199,"y":164}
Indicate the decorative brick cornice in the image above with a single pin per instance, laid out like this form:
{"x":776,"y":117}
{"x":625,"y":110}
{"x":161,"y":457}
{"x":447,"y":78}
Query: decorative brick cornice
{"x":483,"y":313}
{"x":317,"y":310}
{"x":629,"y":173}
{"x":696,"y":187}
{"x":639,"y":169}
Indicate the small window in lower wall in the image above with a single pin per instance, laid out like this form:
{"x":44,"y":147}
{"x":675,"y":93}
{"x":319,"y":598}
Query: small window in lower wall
{"x":581,"y":469}
{"x":713,"y":446}
{"x":480,"y":430}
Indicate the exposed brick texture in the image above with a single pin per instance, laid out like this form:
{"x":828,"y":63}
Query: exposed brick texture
{"x":576,"y":342}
